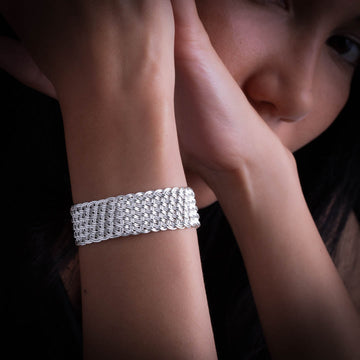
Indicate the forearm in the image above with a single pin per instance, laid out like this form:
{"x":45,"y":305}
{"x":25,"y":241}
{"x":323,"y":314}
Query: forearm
{"x":117,"y":144}
{"x":143,"y":296}
{"x":304,"y":308}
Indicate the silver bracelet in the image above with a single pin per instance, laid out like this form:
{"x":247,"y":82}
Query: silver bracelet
{"x":133,"y":214}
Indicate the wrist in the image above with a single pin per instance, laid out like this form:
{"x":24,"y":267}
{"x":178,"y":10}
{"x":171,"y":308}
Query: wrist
{"x":256,"y":186}
{"x":117,"y":146}
{"x":96,"y":88}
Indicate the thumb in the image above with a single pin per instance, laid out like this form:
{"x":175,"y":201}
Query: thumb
{"x":185,"y":11}
{"x":16,"y":61}
{"x":192,"y":42}
{"x":187,"y":19}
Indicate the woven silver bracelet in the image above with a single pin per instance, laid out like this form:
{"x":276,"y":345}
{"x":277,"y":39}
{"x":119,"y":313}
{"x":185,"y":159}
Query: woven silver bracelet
{"x":133,"y":214}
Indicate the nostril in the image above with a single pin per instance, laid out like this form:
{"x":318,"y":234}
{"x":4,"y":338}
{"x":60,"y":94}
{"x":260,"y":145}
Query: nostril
{"x":268,"y":110}
{"x":293,"y":105}
{"x":294,"y":114}
{"x":288,"y":101}
{"x":264,"y":108}
{"x":292,"y":119}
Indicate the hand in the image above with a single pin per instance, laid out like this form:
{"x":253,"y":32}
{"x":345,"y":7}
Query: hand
{"x":219,"y":131}
{"x":70,"y":41}
{"x":16,"y":61}
{"x":112,"y":65}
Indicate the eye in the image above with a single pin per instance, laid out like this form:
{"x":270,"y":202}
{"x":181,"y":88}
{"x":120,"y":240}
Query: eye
{"x":281,"y":3}
{"x":347,"y":48}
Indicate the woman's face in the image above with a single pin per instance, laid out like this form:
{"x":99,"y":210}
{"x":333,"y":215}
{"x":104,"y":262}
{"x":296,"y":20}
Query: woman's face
{"x":294,"y":59}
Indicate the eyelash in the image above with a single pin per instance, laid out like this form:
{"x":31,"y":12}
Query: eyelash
{"x":338,"y":41}
{"x":284,"y":4}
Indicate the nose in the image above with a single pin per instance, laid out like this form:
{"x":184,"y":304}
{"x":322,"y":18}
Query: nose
{"x":281,"y":88}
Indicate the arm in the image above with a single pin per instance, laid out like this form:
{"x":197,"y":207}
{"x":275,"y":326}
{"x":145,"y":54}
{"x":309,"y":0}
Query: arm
{"x":303,"y":305}
{"x":143,"y":296}
{"x":304,"y":308}
{"x":15,"y":60}
{"x":347,"y":258}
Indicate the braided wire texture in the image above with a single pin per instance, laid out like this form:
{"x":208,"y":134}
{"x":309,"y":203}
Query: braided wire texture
{"x":133,"y":214}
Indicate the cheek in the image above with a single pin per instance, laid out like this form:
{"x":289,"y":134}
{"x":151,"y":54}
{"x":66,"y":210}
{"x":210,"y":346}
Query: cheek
{"x":240,"y":43}
{"x":234,"y":32}
{"x":330,"y":92}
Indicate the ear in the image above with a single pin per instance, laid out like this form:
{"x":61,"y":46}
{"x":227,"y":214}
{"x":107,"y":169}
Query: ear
{"x":15,"y":59}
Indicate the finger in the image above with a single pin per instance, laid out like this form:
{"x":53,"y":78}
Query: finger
{"x":185,"y":11}
{"x":186,"y":14}
{"x":187,"y":18}
{"x":16,"y":61}
{"x":191,"y":38}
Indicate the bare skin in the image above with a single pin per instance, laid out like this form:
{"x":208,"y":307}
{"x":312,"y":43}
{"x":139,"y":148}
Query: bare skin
{"x":235,"y":91}
{"x":282,"y":91}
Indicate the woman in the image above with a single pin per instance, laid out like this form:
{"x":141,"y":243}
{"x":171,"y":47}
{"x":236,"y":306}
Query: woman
{"x":259,"y":81}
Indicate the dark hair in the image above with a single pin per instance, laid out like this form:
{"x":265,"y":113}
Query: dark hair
{"x":330,"y":172}
{"x":35,"y":159}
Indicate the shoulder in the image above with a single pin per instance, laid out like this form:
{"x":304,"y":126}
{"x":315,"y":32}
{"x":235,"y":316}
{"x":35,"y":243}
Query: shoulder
{"x":347,"y":258}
